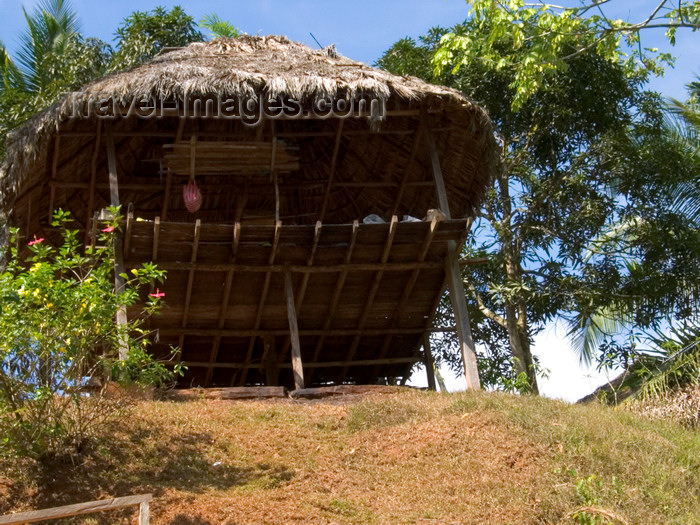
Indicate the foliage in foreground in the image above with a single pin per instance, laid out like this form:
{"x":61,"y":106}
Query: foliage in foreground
{"x":58,"y":334}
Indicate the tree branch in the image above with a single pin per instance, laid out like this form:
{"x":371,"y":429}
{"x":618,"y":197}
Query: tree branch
{"x":490,"y":314}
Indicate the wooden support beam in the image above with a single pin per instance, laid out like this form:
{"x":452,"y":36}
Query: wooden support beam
{"x":269,"y":361}
{"x":261,"y":186}
{"x":54,"y":171}
{"x":93,"y":177}
{"x":278,"y":268}
{"x":335,"y":298}
{"x":93,"y":231}
{"x":454,"y":276}
{"x":119,"y":267}
{"x":332,"y":170}
{"x":129,"y":229}
{"x":297,"y":367}
{"x":156,"y":239}
{"x":263,"y":298}
{"x":329,"y":332}
{"x":376,"y":281}
{"x":304,"y":282}
{"x":228,"y":282}
{"x":429,"y":362}
{"x":312,"y":366}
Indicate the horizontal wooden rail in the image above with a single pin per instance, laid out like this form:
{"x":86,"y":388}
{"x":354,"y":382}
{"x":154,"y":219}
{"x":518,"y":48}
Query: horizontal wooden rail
{"x":326,"y":364}
{"x":331,"y":332}
{"x":279,"y":268}
{"x":89,"y":507}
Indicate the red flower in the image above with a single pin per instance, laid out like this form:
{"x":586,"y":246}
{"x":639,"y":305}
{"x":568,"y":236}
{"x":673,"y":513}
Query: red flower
{"x":157,"y":294}
{"x":35,"y":241}
{"x":108,"y":229}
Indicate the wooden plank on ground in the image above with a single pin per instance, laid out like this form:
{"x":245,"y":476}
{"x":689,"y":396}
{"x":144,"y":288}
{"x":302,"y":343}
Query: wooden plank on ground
{"x":339,"y":390}
{"x":66,"y":511}
{"x":234,"y":392}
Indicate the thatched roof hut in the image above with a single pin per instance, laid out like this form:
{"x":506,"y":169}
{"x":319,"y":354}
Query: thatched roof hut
{"x":291,"y":148}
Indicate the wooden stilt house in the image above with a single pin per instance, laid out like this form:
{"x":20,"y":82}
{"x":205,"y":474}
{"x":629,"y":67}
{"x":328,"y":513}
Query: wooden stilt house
{"x":290,"y":194}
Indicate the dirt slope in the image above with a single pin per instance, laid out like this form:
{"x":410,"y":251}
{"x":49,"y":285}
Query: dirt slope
{"x":411,"y":457}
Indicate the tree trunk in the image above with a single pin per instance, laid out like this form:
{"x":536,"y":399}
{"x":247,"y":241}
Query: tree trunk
{"x":515,"y":308}
{"x":516,"y":322}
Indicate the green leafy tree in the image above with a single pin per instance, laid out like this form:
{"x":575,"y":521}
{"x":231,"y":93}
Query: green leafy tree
{"x":58,"y":333}
{"x":551,"y":193}
{"x":543,"y":38}
{"x":143,"y":34}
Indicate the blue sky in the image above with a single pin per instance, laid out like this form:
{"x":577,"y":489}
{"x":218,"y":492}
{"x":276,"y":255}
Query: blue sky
{"x":363,"y":30}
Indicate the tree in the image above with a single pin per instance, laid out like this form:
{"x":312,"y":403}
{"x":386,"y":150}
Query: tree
{"x":57,"y":333}
{"x":551,"y":190}
{"x":656,"y":238}
{"x":53,"y":59}
{"x":143,"y":34}
{"x":544,"y":37}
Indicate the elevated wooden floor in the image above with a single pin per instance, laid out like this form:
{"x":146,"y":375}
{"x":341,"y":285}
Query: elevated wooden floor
{"x":363,"y":296}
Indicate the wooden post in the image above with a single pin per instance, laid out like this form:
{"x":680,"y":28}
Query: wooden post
{"x":144,"y":513}
{"x":297,"y":367}
{"x":429,"y":362}
{"x":454,"y":277}
{"x":269,"y":360}
{"x":119,"y":267}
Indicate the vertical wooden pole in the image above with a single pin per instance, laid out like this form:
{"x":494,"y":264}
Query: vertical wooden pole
{"x":52,"y":189}
{"x":429,"y":362}
{"x":93,"y":178}
{"x":297,"y":367}
{"x":119,"y":267}
{"x":269,"y":360}
{"x":454,"y":277}
{"x":144,"y":513}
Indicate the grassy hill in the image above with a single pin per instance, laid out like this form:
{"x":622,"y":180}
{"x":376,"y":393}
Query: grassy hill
{"x":411,"y":457}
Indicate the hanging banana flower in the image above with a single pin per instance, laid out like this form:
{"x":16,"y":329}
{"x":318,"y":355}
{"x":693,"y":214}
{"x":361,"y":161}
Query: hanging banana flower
{"x":192,"y":196}
{"x":190,"y":192}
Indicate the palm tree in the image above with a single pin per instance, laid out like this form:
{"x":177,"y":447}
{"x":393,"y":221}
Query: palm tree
{"x":673,"y":353}
{"x":53,"y":58}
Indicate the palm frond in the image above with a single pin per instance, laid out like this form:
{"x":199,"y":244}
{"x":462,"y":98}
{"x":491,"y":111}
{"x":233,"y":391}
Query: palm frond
{"x":219,"y":27}
{"x":47,"y":31}
{"x":588,"y":332}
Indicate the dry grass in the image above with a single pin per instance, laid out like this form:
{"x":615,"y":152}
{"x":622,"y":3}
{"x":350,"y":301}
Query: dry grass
{"x":406,"y":458}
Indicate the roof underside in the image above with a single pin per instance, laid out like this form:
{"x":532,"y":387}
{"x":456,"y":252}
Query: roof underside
{"x":364,"y":295}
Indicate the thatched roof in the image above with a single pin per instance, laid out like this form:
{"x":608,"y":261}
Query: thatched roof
{"x":282,"y":203}
{"x":249,"y":66}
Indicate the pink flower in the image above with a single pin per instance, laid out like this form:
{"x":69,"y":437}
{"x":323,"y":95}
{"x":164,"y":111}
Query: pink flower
{"x":157,"y":294}
{"x":108,"y":229}
{"x":35,"y":241}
